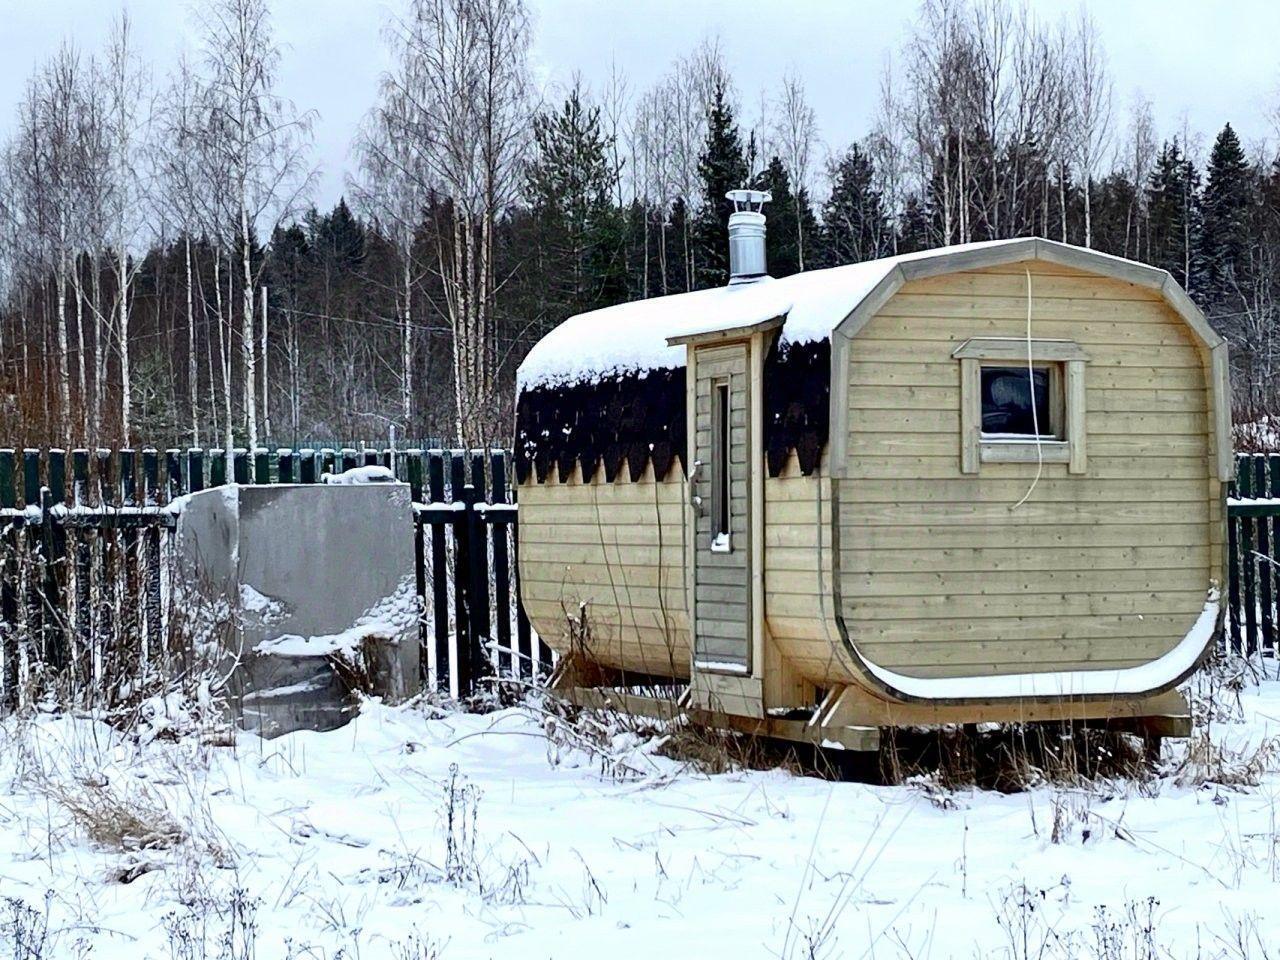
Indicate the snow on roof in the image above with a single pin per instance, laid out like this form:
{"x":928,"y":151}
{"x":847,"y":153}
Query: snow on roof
{"x":633,"y":336}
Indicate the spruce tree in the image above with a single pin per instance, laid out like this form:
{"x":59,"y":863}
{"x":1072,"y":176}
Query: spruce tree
{"x":1173,"y":217}
{"x":721,"y":167}
{"x":854,"y":224}
{"x":1228,"y":198}
{"x":788,"y":215}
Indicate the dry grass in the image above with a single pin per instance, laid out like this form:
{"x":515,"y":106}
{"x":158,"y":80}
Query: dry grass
{"x":127,"y":820}
{"x":1207,"y":763}
{"x":1012,"y":758}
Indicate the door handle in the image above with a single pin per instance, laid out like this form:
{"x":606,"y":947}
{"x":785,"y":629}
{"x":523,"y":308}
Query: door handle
{"x":695,"y":501}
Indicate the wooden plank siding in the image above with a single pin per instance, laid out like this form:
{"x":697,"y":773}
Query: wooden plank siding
{"x":1105,"y":569}
{"x":798,"y":570}
{"x":615,"y":549}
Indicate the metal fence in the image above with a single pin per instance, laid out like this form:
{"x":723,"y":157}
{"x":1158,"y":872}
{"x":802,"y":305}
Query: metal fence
{"x":84,"y":537}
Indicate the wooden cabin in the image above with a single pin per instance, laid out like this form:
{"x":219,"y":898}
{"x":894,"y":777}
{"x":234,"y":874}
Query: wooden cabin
{"x":979,"y":483}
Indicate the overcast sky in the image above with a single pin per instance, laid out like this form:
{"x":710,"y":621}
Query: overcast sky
{"x":1212,"y":63}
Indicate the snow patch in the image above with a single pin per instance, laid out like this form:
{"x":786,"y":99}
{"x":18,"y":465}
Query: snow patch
{"x":375,"y":473}
{"x":259,"y":604}
{"x":345,"y":644}
{"x":389,"y":619}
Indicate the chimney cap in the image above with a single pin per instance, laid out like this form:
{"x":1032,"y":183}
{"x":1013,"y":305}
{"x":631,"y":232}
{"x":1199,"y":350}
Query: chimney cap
{"x":751,"y":200}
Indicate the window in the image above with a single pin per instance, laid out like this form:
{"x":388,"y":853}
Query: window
{"x":1010,"y":414}
{"x":1018,"y":403}
{"x":720,"y":479}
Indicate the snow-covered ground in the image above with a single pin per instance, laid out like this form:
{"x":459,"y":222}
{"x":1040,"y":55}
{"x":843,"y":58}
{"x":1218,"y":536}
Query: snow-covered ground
{"x":417,"y":833}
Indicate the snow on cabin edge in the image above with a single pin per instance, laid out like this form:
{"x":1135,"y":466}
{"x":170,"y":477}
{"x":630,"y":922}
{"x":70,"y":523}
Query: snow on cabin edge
{"x":633,"y":336}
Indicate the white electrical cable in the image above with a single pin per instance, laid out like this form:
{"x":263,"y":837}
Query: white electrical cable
{"x":1031,"y":391}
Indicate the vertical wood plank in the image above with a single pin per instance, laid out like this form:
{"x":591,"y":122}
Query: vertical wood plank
{"x":461,"y":564}
{"x":439,"y":573}
{"x":419,"y":568}
{"x":130,"y":615}
{"x":195,"y":469}
{"x":1235,"y":602}
{"x":1077,"y":436}
{"x":1261,"y":483}
{"x":350,"y":459}
{"x":261,"y":466}
{"x":9,"y":583}
{"x":1248,"y":559}
{"x":508,"y":664}
{"x":1273,"y":470}
{"x":57,"y":623}
{"x":108,"y":569}
{"x":306,"y":465}
{"x":173,"y":474}
{"x":286,"y":465}
{"x":481,"y":635}
{"x":151,"y":554}
{"x":970,"y":415}
{"x":80,"y":496}
{"x":240,"y":465}
{"x":35,"y":554}
{"x":217,"y":467}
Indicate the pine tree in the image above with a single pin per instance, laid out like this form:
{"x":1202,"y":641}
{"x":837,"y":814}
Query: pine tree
{"x":1173,"y":205}
{"x":1228,"y":197}
{"x":570,"y":183}
{"x":722,"y":167}
{"x":855,"y":226}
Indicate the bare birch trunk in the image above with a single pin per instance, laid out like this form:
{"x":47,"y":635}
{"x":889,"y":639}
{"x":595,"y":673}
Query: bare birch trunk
{"x":64,"y":370}
{"x":224,"y":347}
{"x":80,"y":371}
{"x":406,"y":359}
{"x":99,"y":351}
{"x":192,"y":365}
{"x":246,"y":333}
{"x":126,"y":397}
{"x":266,"y":413}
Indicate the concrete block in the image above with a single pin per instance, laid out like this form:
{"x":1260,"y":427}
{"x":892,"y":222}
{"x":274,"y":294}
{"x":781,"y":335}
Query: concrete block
{"x":308,"y":591}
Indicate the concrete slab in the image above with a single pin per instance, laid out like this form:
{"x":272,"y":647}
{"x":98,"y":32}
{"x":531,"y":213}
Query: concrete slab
{"x":311,"y":588}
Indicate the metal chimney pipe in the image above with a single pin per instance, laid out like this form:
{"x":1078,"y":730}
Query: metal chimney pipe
{"x":746,"y":235}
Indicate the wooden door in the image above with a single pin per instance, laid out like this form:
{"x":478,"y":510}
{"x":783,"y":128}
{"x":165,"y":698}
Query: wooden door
{"x":722,"y":549}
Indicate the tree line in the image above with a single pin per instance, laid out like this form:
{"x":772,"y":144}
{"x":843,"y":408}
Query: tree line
{"x":165,"y":279}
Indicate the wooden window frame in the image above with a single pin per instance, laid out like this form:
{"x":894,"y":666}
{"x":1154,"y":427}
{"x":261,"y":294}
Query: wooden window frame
{"x":1067,"y":360}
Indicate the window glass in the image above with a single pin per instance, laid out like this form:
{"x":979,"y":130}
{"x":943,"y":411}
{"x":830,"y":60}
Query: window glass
{"x":1007,"y":397}
{"x":721,"y":465}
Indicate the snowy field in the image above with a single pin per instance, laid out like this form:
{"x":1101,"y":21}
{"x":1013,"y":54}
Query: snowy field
{"x":415,"y":833}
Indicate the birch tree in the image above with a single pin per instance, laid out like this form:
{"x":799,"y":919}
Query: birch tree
{"x":47,"y":163}
{"x":393,"y":191}
{"x":182,"y":182}
{"x":262,"y":141}
{"x":795,"y":132}
{"x":126,"y":85}
{"x":462,"y":68}
{"x":1092,"y":110}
